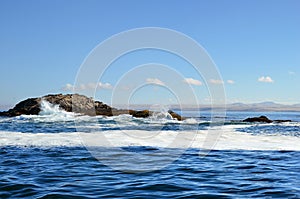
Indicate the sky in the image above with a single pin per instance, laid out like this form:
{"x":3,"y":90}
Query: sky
{"x":254,"y":44}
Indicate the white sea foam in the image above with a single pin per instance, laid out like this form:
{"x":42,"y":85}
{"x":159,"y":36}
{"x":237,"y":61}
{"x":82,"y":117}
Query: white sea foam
{"x":53,"y":113}
{"x":190,"y":121}
{"x":39,"y":139}
{"x":229,"y":139}
{"x":50,"y":113}
{"x":48,"y":109}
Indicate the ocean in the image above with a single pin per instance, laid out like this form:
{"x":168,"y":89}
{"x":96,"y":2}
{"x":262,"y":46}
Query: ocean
{"x":63,"y":155}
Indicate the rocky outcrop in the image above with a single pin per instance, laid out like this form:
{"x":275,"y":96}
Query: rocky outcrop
{"x":263,"y":119}
{"x":75,"y":103}
{"x":144,"y":113}
{"x":175,"y":115}
{"x":29,"y":106}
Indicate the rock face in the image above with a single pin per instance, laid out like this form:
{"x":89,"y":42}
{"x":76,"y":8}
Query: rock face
{"x":29,"y":106}
{"x":263,"y":119}
{"x":75,"y":103}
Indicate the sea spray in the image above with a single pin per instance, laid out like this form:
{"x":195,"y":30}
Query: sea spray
{"x":53,"y":110}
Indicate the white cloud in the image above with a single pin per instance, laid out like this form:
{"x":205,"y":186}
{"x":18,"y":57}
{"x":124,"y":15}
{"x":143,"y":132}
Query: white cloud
{"x":216,"y":81}
{"x":104,"y":86}
{"x":230,"y":81}
{"x":155,"y":81}
{"x":192,"y":81}
{"x":266,"y":79}
{"x":88,"y":86}
{"x":292,"y":73}
{"x":68,"y":87}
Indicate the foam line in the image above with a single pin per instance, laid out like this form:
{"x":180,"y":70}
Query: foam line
{"x":229,"y":140}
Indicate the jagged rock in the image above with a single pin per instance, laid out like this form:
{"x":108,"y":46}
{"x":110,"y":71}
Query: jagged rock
{"x":74,"y":103}
{"x":29,"y":106}
{"x":258,"y":119}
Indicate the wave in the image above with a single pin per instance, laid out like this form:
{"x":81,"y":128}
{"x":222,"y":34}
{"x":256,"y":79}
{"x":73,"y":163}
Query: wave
{"x":53,"y":113}
{"x":229,"y":139}
{"x":49,"y":113}
{"x":56,"y":127}
{"x":53,"y":110}
{"x":62,"y":119}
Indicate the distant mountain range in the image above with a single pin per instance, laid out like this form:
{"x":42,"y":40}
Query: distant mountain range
{"x":254,"y":107}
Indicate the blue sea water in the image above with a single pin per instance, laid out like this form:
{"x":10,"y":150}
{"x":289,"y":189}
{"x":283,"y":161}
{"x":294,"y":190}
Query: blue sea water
{"x":62,"y":155}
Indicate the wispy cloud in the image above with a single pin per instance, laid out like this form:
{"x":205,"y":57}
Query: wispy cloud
{"x":155,"y":81}
{"x":216,"y":81}
{"x":265,"y":79}
{"x":104,"y":86}
{"x":230,"y":81}
{"x":292,"y":73}
{"x":88,"y":86}
{"x":68,"y":87}
{"x":192,"y":81}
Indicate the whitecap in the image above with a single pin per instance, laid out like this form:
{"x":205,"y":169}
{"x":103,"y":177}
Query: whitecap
{"x":229,"y":139}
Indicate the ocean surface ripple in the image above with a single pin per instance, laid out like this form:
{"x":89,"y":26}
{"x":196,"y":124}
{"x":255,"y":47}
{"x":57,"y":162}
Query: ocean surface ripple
{"x":73,"y":173}
{"x":60,"y":155}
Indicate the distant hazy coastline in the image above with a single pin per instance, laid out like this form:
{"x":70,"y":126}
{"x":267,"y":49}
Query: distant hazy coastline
{"x":242,"y":107}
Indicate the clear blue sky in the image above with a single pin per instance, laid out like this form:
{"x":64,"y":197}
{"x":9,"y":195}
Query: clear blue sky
{"x":43,"y":43}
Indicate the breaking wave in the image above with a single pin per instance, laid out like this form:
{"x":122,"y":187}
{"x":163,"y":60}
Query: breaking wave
{"x":230,"y":139}
{"x":56,"y":127}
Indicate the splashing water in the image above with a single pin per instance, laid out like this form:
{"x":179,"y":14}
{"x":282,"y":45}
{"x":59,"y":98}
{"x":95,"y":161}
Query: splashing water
{"x":53,"y":110}
{"x":161,"y":116}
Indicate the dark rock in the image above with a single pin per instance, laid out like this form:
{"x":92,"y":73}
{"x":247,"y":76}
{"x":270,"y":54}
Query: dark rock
{"x":74,"y":103}
{"x":258,"y":119}
{"x":143,"y":114}
{"x":29,"y":106}
{"x":280,"y":121}
{"x":175,"y":115}
{"x":264,"y":119}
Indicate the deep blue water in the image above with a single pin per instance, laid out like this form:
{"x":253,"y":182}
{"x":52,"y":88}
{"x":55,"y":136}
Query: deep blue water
{"x":34,"y":163}
{"x":73,"y":173}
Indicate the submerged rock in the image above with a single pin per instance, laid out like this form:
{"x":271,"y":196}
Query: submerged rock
{"x":74,"y":103}
{"x":280,"y":121}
